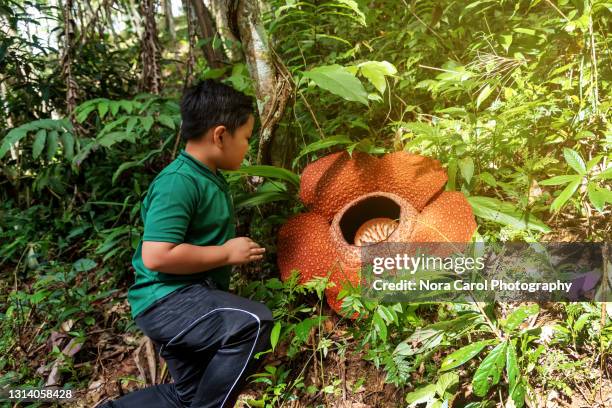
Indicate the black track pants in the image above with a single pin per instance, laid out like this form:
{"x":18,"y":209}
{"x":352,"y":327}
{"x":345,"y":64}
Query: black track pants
{"x":208,"y":338}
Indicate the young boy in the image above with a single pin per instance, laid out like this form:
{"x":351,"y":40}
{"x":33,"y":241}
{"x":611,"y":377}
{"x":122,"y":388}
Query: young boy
{"x":207,"y":336}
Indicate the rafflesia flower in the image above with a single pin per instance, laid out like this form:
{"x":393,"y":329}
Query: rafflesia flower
{"x":362,"y":200}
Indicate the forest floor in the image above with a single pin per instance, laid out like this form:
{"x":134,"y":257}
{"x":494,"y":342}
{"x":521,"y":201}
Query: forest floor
{"x":123,"y":362}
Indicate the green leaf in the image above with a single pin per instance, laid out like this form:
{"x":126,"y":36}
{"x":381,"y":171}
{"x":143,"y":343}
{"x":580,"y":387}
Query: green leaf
{"x":445,"y":382}
{"x":11,"y":138}
{"x":114,"y":107}
{"x":599,"y":196}
{"x":466,"y":166}
{"x":483,"y":95}
{"x":102,"y":109}
{"x":68,"y":145}
{"x":39,"y":143}
{"x":565,"y":195}
{"x":380,"y":327}
{"x":275,"y":334}
{"x":527,"y":31}
{"x":518,"y":393}
{"x":123,"y":167}
{"x":463,"y":355}
{"x":270,"y":172}
{"x":324,"y":144}
{"x":490,"y":370}
{"x":488,"y":178}
{"x":452,"y":175}
{"x":604,"y":175}
{"x":84,"y":265}
{"x":52,"y":144}
{"x":557,"y":180}
{"x":421,"y":395}
{"x":303,"y":328}
{"x":262,"y":198}
{"x":84,"y":113}
{"x":147,"y":122}
{"x":375,"y":72}
{"x":505,"y":213}
{"x":519,"y":315}
{"x":512,"y":369}
{"x":166,"y":121}
{"x":353,"y":6}
{"x":339,"y":81}
{"x":574,"y":159}
{"x":111,"y":138}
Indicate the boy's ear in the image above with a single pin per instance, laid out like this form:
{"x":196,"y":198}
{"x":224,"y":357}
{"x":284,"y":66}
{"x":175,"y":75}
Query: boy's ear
{"x":218,"y":134}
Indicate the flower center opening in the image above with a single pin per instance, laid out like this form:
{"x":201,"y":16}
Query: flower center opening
{"x":370,"y":220}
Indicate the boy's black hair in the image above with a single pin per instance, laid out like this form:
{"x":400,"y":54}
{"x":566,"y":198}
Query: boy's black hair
{"x":210,"y":103}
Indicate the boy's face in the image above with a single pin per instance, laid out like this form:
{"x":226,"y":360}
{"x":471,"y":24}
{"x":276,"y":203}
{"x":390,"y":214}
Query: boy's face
{"x":235,"y":146}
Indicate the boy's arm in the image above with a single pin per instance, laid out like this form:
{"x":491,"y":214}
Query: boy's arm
{"x":172,"y":204}
{"x":184,"y":259}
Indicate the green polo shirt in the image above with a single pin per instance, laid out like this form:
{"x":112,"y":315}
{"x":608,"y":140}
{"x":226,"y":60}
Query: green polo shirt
{"x":189,"y":203}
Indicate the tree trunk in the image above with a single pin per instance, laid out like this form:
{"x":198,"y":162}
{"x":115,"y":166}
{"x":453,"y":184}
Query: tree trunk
{"x":149,"y":49}
{"x":273,"y":84}
{"x":207,"y":32}
{"x":169,"y":18}
{"x":220,"y":11}
{"x":66,"y":63}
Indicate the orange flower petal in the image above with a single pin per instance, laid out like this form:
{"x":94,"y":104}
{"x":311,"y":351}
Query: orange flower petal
{"x":304,"y":244}
{"x":413,"y":177}
{"x":332,"y":181}
{"x":448,"y":218}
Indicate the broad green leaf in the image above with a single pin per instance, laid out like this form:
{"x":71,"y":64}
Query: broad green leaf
{"x":375,"y":72}
{"x":166,"y":121}
{"x":84,"y":265}
{"x":111,"y":138}
{"x":303,"y":328}
{"x":527,"y":31}
{"x":84,"y":113}
{"x":518,"y":393}
{"x":599,"y":196}
{"x":270,"y":172}
{"x":445,"y":382}
{"x":339,"y":81}
{"x":463,"y":355}
{"x":488,"y":178}
{"x":490,"y":370}
{"x":102,"y":109}
{"x":574,"y":159}
{"x":565,"y":195}
{"x":466,"y":166}
{"x":452,"y":175}
{"x":483,"y":95}
{"x":147,"y":122}
{"x":354,"y":7}
{"x":380,"y":326}
{"x":593,"y":162}
{"x":123,"y":167}
{"x":275,"y":334}
{"x":68,"y":145}
{"x":557,"y":180}
{"x":519,"y":315}
{"x":512,"y":369}
{"x":505,"y":213}
{"x":604,"y":175}
{"x":114,"y":107}
{"x":421,"y":395}
{"x":11,"y":138}
{"x":39,"y":143}
{"x":262,"y":198}
{"x":324,"y":144}
{"x":52,"y":144}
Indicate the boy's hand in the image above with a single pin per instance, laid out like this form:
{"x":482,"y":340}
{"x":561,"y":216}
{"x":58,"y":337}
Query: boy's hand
{"x":242,"y":250}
